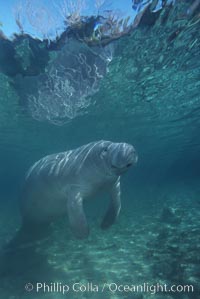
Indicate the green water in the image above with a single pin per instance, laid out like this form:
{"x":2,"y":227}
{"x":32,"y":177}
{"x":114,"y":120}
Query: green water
{"x":149,"y":98}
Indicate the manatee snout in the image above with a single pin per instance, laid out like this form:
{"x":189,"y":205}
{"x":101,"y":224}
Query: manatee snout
{"x":129,"y":154}
{"x":132,"y":156}
{"x":124,"y":155}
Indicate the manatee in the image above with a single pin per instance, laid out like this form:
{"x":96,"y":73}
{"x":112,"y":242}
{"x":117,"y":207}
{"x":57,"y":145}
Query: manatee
{"x":59,"y":183}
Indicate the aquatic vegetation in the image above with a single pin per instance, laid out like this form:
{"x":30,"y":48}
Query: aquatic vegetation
{"x":72,"y":11}
{"x":70,"y":16}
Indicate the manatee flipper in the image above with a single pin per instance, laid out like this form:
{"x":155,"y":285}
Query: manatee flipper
{"x":76,"y":216}
{"x":114,"y":206}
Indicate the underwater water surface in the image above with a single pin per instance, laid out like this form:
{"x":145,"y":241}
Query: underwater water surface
{"x":142,"y":89}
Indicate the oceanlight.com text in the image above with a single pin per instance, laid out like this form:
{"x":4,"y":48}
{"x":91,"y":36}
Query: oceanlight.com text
{"x":79,"y":287}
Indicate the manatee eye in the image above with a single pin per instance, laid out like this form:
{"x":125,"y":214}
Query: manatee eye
{"x":128,"y":165}
{"x":104,"y":152}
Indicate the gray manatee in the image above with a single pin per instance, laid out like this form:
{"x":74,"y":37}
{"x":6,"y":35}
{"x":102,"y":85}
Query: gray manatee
{"x":58,"y":184}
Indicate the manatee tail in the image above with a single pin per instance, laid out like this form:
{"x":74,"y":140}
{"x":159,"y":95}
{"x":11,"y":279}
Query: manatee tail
{"x":27,"y":236}
{"x":20,"y":254}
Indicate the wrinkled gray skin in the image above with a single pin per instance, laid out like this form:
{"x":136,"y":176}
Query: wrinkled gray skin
{"x":57,"y":184}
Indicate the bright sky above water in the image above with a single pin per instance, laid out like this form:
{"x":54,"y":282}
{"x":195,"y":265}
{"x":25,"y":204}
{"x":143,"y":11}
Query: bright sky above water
{"x":8,"y":9}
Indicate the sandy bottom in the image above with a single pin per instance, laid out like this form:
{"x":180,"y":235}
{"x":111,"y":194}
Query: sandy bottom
{"x":151,"y":251}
